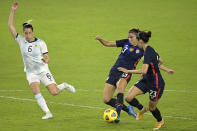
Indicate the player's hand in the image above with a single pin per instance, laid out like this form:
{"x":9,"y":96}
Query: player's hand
{"x":141,"y":76}
{"x":171,"y":72}
{"x":14,"y":6}
{"x":123,"y":70}
{"x":98,"y":37}
{"x":45,"y":60}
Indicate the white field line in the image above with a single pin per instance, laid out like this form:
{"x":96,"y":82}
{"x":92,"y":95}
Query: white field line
{"x":84,"y":90}
{"x":90,"y":107}
{"x":59,"y":103}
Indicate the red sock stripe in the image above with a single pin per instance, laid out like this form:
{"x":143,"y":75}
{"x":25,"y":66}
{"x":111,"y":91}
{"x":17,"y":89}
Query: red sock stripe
{"x":119,"y":104}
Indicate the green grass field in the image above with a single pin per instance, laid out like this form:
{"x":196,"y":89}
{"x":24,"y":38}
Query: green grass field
{"x":69,"y":28}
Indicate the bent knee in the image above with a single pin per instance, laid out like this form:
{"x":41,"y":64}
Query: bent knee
{"x":152,"y":107}
{"x":128,"y":98}
{"x":54,"y":92}
{"x":105,"y":100}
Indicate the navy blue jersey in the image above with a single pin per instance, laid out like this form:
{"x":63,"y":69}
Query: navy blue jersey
{"x":129,"y":56}
{"x":153,"y":75}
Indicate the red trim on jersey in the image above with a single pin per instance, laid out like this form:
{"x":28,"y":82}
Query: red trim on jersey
{"x":157,"y":82}
{"x":153,"y":68}
{"x":129,"y":75}
{"x":155,"y":74}
{"x":157,"y":94}
{"x":136,"y":63}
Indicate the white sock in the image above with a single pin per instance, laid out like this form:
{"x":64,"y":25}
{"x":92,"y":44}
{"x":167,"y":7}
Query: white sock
{"x":61,"y":86}
{"x":42,"y":103}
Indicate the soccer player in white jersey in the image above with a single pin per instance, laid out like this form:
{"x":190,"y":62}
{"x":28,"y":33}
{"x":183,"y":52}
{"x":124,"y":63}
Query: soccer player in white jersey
{"x":35,"y":57}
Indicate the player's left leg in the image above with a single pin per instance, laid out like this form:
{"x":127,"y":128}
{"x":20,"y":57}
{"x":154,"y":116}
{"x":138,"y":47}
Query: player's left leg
{"x":154,"y":96}
{"x":48,"y":80}
{"x":156,"y":113}
{"x":56,"y":89}
{"x":130,"y":98}
{"x":121,"y":85}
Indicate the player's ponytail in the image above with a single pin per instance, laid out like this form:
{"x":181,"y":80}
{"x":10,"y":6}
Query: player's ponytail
{"x":149,"y":33}
{"x":27,"y":25}
{"x":144,"y":36}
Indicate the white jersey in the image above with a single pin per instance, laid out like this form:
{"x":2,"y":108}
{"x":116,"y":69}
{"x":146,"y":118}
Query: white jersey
{"x":32,"y":53}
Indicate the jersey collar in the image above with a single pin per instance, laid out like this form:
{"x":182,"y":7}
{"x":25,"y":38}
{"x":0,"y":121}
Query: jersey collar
{"x":31,"y":41}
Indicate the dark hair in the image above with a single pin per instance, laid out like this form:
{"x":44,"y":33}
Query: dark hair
{"x":135,"y":31}
{"x":26,"y":25}
{"x":144,"y":36}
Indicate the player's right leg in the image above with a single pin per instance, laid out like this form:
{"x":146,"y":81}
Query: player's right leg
{"x":108,"y":94}
{"x":107,"y":97}
{"x":35,"y":86}
{"x":34,"y":82}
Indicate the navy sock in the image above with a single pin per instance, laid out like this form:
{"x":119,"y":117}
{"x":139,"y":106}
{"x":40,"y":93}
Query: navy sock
{"x":119,"y":103}
{"x":156,"y":113}
{"x":124,"y":108}
{"x":136,"y":103}
{"x":112,"y":103}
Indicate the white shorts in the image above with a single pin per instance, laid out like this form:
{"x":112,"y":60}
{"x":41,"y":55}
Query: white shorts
{"x":45,"y":77}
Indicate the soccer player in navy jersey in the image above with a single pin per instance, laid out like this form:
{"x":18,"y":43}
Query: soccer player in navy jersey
{"x":128,"y":58}
{"x":151,"y":81}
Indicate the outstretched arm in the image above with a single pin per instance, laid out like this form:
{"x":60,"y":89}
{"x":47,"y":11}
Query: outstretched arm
{"x":161,"y":66}
{"x":145,"y":69}
{"x":140,"y":71}
{"x":11,"y":20}
{"x":106,"y":43}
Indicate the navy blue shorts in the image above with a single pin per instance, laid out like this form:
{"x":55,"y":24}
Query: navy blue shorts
{"x":115,"y":76}
{"x":155,"y":90}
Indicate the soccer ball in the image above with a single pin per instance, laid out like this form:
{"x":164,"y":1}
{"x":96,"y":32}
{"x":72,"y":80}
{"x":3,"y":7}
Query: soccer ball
{"x":110,"y":115}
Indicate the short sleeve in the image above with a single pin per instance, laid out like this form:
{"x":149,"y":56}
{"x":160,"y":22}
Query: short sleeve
{"x":158,"y":55}
{"x":19,"y":39}
{"x":44,"y":49}
{"x":120,"y":43}
{"x":147,"y":56}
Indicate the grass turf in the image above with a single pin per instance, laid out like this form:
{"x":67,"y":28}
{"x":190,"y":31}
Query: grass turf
{"x":69,"y":28}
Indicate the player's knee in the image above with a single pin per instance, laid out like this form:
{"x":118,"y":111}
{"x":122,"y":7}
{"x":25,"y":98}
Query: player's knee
{"x":128,"y":98}
{"x":105,"y":100}
{"x":152,"y":107}
{"x":54,"y":92}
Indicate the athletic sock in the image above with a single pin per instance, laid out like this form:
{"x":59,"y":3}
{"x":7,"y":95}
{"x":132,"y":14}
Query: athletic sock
{"x":112,"y":103}
{"x":156,"y":113}
{"x":61,"y":86}
{"x":134,"y":102}
{"x":42,"y":103}
{"x":124,"y":108}
{"x":119,"y":103}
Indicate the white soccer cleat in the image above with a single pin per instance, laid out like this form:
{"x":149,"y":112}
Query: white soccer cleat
{"x":47,"y":116}
{"x":69,"y":87}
